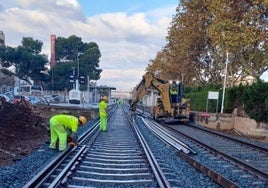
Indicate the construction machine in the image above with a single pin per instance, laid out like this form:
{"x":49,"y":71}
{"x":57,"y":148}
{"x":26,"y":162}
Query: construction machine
{"x":166,"y":106}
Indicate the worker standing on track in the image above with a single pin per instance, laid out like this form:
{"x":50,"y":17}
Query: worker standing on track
{"x":103,"y":113}
{"x":63,"y":126}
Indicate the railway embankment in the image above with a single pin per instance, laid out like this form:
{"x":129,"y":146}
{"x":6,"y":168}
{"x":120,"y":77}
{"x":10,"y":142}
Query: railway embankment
{"x":243,"y":126}
{"x":46,"y":111}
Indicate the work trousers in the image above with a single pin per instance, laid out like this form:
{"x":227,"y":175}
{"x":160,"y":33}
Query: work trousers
{"x":103,"y":123}
{"x":174,"y":98}
{"x":57,"y":133}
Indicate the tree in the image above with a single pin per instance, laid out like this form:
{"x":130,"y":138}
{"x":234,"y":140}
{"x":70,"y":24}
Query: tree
{"x":255,"y":99}
{"x":239,"y":29}
{"x":203,"y":31}
{"x":69,"y":52}
{"x":188,"y":50}
{"x":26,"y":59}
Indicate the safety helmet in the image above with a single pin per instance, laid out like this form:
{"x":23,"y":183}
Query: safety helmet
{"x":82,"y":120}
{"x":104,"y":98}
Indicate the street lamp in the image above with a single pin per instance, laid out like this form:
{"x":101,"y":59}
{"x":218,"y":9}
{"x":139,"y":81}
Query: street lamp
{"x":224,"y":82}
{"x":78,"y":66}
{"x":73,"y":77}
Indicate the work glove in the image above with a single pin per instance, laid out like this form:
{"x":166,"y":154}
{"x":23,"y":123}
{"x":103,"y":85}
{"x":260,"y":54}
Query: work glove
{"x":74,"y":137}
{"x":73,"y":144}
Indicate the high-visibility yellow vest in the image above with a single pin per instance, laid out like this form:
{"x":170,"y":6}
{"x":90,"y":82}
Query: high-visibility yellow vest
{"x":173,"y":92}
{"x":68,"y":121}
{"x":102,"y":108}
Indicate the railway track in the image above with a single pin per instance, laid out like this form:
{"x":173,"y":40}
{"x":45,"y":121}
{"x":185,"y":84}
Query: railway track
{"x":248,"y":156}
{"x":229,"y":161}
{"x":116,"y":158}
{"x":136,"y":152}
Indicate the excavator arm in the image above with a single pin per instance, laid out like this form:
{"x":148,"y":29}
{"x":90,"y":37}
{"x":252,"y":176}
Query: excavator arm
{"x":150,"y":81}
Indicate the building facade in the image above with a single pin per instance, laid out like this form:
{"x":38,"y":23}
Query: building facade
{"x":2,"y":38}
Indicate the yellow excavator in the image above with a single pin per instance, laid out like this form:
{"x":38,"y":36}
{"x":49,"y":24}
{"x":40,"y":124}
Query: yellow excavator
{"x":167,"y":104}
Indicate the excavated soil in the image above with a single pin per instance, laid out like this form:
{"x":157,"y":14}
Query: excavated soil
{"x":22,"y":130}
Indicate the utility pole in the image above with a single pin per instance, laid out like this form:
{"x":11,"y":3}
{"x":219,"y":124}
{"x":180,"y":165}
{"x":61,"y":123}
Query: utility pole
{"x":224,"y":82}
{"x":78,"y":66}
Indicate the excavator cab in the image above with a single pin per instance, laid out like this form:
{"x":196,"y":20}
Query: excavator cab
{"x":178,"y":103}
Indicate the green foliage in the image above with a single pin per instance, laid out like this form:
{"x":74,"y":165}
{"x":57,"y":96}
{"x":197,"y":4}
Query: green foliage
{"x":203,"y":31}
{"x":198,"y":97}
{"x":26,"y":59}
{"x":60,"y":76}
{"x":30,"y":64}
{"x":255,"y":100}
{"x":32,"y":46}
{"x":67,"y":49}
{"x":198,"y":100}
{"x":234,"y":98}
{"x":71,"y":52}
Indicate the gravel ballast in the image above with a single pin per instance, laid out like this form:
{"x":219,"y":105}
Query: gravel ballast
{"x":19,"y":173}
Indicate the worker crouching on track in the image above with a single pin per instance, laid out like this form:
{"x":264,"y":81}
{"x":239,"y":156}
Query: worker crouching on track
{"x":103,"y":113}
{"x":63,"y":126}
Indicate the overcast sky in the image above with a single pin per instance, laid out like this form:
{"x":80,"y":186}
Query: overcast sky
{"x":129,"y":32}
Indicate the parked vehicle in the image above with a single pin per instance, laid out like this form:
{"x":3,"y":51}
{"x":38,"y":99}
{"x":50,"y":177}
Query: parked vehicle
{"x":5,"y":97}
{"x":18,"y":98}
{"x":75,"y":96}
{"x":34,"y":100}
{"x":28,"y":90}
{"x":57,"y":98}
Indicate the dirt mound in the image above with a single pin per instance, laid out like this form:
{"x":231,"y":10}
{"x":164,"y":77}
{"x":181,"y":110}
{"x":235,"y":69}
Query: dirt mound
{"x":22,"y":130}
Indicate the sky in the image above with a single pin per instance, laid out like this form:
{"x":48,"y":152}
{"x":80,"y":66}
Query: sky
{"x":128,"y":32}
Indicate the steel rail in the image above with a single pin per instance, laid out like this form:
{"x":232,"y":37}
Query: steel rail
{"x":211,"y":173}
{"x":55,"y":176}
{"x":255,"y":146}
{"x":37,"y":180}
{"x":205,"y":169}
{"x":71,"y":172}
{"x":107,"y":169}
{"x":196,"y":164}
{"x":220,"y":179}
{"x":171,"y":140}
{"x":160,"y":176}
{"x":56,"y":182}
{"x":239,"y":162}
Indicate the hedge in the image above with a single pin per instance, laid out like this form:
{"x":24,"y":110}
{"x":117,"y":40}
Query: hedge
{"x":253,"y":99}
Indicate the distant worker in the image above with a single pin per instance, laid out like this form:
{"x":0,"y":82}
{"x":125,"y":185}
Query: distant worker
{"x":103,"y":113}
{"x":63,"y":126}
{"x":173,"y":95}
